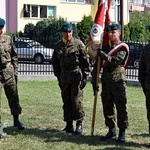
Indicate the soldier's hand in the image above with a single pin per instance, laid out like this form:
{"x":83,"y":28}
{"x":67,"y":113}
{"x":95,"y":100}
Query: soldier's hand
{"x":95,"y":88}
{"x":83,"y":83}
{"x":100,"y":53}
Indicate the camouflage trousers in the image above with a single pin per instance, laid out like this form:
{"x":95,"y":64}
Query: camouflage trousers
{"x":10,"y":88}
{"x":114,"y":94}
{"x":72,"y":97}
{"x":147,"y":95}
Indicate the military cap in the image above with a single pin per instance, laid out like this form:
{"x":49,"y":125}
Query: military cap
{"x":113,"y":26}
{"x":2,"y":22}
{"x":66,"y":27}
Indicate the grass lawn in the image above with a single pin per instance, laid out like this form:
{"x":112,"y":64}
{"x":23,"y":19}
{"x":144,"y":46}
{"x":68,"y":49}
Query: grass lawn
{"x":43,"y":117}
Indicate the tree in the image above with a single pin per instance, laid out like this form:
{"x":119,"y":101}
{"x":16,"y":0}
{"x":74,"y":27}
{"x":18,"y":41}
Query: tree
{"x":84,"y":28}
{"x":29,"y":29}
{"x":47,"y":31}
{"x":138,"y":27}
{"x":39,"y":28}
{"x":126,"y":33}
{"x":52,"y":31}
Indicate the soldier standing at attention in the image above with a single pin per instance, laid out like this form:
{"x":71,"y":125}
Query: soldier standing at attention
{"x":8,"y":75}
{"x":114,"y":56}
{"x":144,"y":77}
{"x":71,"y":67}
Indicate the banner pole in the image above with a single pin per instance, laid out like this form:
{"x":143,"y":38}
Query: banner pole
{"x":95,"y":96}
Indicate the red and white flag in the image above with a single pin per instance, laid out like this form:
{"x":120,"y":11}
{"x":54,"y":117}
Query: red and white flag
{"x":97,"y":34}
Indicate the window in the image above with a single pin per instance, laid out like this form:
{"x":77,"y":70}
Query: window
{"x":78,"y":1}
{"x":43,"y":12}
{"x":71,"y":0}
{"x":34,"y":11}
{"x":39,"y":11}
{"x":88,"y":1}
{"x":26,"y":9}
{"x":51,"y":12}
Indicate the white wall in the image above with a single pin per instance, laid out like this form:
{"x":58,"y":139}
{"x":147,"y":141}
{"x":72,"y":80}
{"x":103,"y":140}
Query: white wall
{"x":71,"y":11}
{"x":3,"y":11}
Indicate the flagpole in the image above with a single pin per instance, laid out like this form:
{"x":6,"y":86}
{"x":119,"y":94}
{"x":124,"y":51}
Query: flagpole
{"x":95,"y":96}
{"x":98,"y":27}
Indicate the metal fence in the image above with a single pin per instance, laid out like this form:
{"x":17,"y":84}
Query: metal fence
{"x":33,"y":61}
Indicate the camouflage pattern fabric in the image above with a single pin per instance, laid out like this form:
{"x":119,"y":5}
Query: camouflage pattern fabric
{"x":8,"y":71}
{"x":113,"y":87}
{"x":144,"y":76}
{"x":71,"y":65}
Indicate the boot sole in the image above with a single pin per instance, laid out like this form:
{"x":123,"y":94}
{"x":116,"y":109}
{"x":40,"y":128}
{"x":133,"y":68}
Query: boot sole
{"x":112,"y":138}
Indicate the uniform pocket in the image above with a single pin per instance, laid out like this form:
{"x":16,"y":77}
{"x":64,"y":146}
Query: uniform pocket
{"x":117,"y":76}
{"x":8,"y":72}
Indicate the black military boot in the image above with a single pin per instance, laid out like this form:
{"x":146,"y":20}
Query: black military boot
{"x":79,"y":127}
{"x":111,"y":134}
{"x":17,"y":123}
{"x":1,"y":136}
{"x":68,"y":128}
{"x":121,"y":137}
{"x":148,"y":146}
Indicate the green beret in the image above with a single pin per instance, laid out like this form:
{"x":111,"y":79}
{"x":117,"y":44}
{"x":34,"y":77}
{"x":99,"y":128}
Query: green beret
{"x":66,"y":27}
{"x":2,"y":22}
{"x":113,"y":26}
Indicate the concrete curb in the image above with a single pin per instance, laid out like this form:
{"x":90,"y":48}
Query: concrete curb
{"x":133,"y":82}
{"x":52,"y":77}
{"x":36,"y":77}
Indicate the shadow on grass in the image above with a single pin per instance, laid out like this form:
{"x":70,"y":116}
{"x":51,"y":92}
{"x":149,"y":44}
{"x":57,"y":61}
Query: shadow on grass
{"x":144,"y":135}
{"x":53,"y":135}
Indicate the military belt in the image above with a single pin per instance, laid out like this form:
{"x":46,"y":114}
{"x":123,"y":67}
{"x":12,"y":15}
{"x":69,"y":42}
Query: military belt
{"x":70,"y":68}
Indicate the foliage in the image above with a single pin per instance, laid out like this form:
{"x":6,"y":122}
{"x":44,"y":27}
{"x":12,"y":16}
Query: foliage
{"x":39,"y":28}
{"x":16,"y":34}
{"x":51,"y":32}
{"x":47,"y":31}
{"x":29,"y":29}
{"x":126,"y":33}
{"x":84,"y":28}
{"x":75,"y":30}
{"x":138,"y":27}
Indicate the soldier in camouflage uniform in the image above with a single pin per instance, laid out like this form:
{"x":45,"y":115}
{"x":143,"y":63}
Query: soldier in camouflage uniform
{"x":71,"y":67}
{"x":114,"y":56}
{"x":8,"y":74}
{"x":144,"y":77}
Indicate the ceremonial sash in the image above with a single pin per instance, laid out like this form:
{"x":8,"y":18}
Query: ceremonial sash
{"x":115,"y":50}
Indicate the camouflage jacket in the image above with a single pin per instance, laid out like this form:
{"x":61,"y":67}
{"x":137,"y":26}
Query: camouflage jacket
{"x":8,"y":57}
{"x":144,"y":68}
{"x":70,"y":57}
{"x":115,"y":64}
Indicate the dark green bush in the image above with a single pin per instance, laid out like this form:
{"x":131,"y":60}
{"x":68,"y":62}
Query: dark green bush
{"x":29,"y":30}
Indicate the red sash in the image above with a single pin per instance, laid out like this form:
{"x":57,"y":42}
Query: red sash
{"x":115,"y":50}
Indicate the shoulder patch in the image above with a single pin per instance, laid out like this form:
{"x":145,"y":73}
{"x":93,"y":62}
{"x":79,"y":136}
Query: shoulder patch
{"x":121,"y":53}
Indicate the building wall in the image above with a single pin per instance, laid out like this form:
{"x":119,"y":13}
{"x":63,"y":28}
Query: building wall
{"x":126,"y":11}
{"x":12,"y":19}
{"x":73,"y":12}
{"x":2,"y":10}
{"x":12,"y":11}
